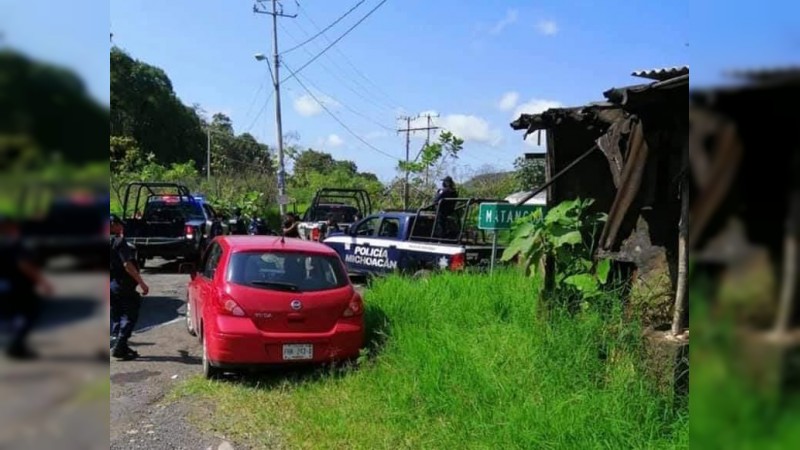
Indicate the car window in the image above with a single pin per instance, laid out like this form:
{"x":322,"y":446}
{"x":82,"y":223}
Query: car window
{"x":168,"y":211}
{"x":340,"y":213}
{"x":390,"y":228}
{"x":212,"y":261}
{"x":287,"y":271}
{"x":367,"y":227}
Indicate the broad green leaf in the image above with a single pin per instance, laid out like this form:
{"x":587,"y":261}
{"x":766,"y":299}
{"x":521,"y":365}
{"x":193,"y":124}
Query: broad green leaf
{"x":517,"y":246}
{"x":524,"y":230}
{"x":583,"y":282}
{"x":603,"y":269}
{"x":571,"y":238}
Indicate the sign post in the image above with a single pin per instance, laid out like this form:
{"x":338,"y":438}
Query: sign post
{"x":494,"y":251}
{"x":499,"y":216}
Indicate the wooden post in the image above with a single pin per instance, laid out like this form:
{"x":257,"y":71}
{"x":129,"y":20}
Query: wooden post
{"x":789,"y":283}
{"x":681,"y":291}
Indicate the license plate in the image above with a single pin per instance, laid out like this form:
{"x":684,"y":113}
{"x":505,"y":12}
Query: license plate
{"x":298,"y":351}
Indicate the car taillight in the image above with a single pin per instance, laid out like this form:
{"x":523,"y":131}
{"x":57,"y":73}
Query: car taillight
{"x":315,"y":234}
{"x":457,"y":262}
{"x":189,"y":232}
{"x":229,"y":307}
{"x":355,"y":308}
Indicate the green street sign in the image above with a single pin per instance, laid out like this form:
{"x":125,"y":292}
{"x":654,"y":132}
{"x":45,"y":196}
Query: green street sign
{"x":500,"y":216}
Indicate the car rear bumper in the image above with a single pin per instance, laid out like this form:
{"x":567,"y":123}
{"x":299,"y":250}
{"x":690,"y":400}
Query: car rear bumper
{"x":249,"y":346}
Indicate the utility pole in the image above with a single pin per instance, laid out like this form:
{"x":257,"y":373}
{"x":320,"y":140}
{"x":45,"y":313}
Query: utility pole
{"x":208,"y":152}
{"x":407,"y":130}
{"x":276,"y":82}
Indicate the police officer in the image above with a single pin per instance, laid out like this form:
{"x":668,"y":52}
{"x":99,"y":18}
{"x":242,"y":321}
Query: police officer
{"x":237,"y":223}
{"x":447,"y":191}
{"x":330,"y":226}
{"x":290,"y":225}
{"x":125,"y":300}
{"x":21,"y":283}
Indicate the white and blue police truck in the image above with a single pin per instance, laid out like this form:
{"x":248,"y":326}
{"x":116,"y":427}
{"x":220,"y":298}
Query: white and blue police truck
{"x":439,"y":237}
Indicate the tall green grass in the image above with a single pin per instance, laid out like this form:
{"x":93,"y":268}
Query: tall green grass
{"x":466,"y":362}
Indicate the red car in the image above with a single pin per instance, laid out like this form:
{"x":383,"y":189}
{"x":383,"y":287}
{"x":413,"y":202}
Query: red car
{"x":261,"y":300}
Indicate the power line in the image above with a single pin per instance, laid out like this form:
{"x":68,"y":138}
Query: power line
{"x":261,"y":111}
{"x":344,"y":81}
{"x":325,"y":29}
{"x":255,"y":99}
{"x":347,"y":107}
{"x":292,"y":75}
{"x":339,"y":121}
{"x":394,"y":104}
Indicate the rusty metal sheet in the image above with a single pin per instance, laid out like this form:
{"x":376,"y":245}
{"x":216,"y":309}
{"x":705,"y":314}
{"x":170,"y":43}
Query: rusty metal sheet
{"x":661,"y":74}
{"x":630,"y":183}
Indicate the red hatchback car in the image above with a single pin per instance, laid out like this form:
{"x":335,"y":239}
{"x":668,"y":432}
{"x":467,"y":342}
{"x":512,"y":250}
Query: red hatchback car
{"x":259,"y":300}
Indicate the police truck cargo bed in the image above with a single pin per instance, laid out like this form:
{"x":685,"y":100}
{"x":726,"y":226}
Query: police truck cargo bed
{"x":438,"y":237}
{"x":164,"y":220}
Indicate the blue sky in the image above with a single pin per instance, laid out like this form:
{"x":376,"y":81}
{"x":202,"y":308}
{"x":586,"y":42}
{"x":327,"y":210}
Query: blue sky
{"x":457,"y":58}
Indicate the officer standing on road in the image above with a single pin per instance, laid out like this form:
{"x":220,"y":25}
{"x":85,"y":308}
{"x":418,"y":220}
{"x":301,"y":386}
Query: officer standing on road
{"x":125,"y":300}
{"x":20,"y":279}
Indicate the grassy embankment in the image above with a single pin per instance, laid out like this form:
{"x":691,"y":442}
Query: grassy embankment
{"x":466,"y":362}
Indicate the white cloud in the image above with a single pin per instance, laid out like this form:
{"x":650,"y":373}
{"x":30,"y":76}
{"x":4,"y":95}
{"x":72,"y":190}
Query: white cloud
{"x":508,"y":101}
{"x":547,"y":27}
{"x":468,"y":127}
{"x":334,"y":140}
{"x":535,"y":106}
{"x":306,"y":106}
{"x":511,"y":16}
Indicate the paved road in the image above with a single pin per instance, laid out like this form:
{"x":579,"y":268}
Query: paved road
{"x":140,"y":416}
{"x":59,"y":401}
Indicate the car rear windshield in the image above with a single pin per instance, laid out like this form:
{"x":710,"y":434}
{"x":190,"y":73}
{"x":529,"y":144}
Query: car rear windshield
{"x":163,"y":211}
{"x":341,"y":214}
{"x":286,"y":271}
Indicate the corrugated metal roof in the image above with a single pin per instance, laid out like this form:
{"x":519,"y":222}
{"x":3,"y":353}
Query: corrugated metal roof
{"x":661,"y":74}
{"x":767,"y":74}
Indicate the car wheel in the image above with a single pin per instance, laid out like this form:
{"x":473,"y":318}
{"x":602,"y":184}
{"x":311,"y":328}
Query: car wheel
{"x":209,"y":372}
{"x":189,"y":325}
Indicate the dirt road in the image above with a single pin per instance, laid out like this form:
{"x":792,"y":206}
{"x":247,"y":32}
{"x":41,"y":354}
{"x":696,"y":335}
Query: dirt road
{"x":140,"y":416}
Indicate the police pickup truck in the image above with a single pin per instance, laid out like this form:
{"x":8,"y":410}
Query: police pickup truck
{"x":343,"y":205}
{"x":442,"y":236}
{"x":165,"y":220}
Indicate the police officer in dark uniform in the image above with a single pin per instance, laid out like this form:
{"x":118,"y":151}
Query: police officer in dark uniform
{"x":290,"y":225}
{"x":125,"y":300}
{"x":237,"y":224}
{"x":447,"y":191}
{"x":20,"y":279}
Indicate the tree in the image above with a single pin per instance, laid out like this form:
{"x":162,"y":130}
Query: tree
{"x":530,"y":173}
{"x":145,"y":107}
{"x":435,"y":153}
{"x":48,"y":108}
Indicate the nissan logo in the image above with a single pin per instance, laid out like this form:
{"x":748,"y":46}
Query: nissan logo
{"x":296,"y":305}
